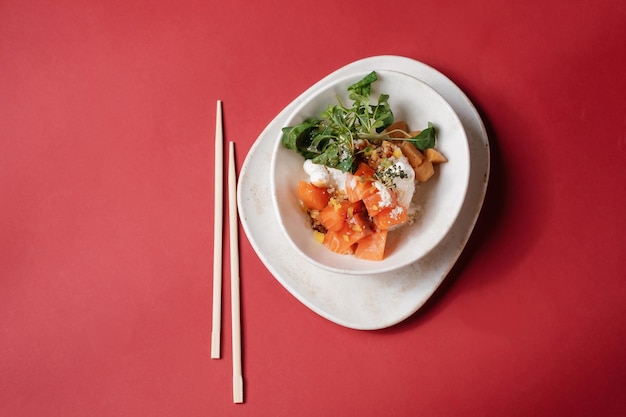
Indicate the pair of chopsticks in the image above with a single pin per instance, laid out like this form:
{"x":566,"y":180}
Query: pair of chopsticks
{"x":234,"y":256}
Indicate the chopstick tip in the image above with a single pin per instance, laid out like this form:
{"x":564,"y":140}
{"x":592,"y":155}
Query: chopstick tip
{"x":238,"y":389}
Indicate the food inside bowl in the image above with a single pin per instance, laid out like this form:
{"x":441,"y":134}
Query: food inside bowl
{"x":362,"y":168}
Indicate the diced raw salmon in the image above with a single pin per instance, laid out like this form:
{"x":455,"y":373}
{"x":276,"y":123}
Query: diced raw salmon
{"x":313,"y":197}
{"x":360,"y":184}
{"x":390,"y":217}
{"x":380,"y":200}
{"x":372,"y":246}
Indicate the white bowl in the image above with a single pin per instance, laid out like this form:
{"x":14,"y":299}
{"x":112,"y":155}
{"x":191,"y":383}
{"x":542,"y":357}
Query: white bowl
{"x":440,"y":198}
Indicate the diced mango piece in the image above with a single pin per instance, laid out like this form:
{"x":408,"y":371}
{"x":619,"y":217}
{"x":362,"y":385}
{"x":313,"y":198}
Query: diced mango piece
{"x":318,"y":236}
{"x":398,"y":129}
{"x":414,"y":156}
{"x":424,"y":171}
{"x":434,"y":156}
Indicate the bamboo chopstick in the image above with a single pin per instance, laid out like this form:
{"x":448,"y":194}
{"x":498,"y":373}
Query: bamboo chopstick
{"x":234,"y":277}
{"x":217,"y":235}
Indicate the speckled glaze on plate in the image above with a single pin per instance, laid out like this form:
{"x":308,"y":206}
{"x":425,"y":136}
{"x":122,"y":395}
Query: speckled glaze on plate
{"x":365,"y":302}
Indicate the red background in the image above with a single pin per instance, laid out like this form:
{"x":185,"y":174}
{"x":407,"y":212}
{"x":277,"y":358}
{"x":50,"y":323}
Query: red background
{"x":107,"y":115}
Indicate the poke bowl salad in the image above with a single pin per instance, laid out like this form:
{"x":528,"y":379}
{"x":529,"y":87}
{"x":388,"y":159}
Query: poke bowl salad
{"x":369,"y":173}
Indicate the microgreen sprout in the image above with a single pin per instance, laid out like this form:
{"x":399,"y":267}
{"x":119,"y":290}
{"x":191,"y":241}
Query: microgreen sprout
{"x":329,"y":139}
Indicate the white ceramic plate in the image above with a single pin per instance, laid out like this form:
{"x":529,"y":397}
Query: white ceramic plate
{"x":439,"y":199}
{"x":374,"y":301}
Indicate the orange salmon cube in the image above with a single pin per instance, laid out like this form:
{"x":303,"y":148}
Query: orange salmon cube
{"x":372,"y":246}
{"x":314,"y":198}
{"x":390,"y":217}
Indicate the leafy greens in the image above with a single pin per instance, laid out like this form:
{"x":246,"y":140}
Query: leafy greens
{"x":329,"y":139}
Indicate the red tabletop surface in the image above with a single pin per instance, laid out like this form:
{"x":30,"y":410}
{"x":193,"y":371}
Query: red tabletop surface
{"x":107,"y":117}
